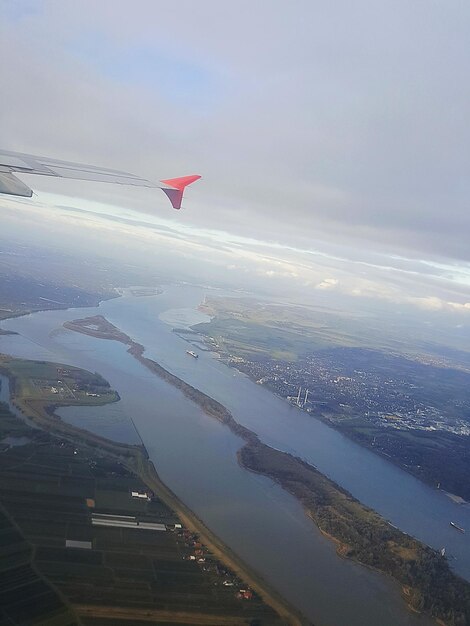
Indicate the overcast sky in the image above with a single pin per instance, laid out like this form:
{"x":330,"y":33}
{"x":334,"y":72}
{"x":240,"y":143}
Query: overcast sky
{"x":333,"y":137}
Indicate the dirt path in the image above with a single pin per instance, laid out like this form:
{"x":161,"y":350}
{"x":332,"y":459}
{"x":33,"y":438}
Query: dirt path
{"x":155,"y":616}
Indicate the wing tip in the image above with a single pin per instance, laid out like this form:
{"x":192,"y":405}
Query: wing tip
{"x":176,"y":187}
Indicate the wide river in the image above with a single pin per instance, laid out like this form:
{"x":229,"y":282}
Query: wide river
{"x":195,"y":456}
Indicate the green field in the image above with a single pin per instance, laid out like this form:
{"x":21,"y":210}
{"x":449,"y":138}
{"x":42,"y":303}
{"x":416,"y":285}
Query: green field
{"x":55,"y":384}
{"x":254,"y":329}
{"x":250,"y":329}
{"x":25,"y":596}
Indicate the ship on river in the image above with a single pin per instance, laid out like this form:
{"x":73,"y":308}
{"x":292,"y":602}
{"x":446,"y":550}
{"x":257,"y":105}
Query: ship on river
{"x":193,"y":354}
{"x":459,"y":528}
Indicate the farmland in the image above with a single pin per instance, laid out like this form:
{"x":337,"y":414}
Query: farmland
{"x":52,"y":489}
{"x":106,"y":547}
{"x":53,"y":384}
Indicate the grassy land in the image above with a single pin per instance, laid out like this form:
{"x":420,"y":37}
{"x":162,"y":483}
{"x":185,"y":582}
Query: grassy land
{"x":256,"y":329}
{"x":247,"y":338}
{"x":53,"y":384}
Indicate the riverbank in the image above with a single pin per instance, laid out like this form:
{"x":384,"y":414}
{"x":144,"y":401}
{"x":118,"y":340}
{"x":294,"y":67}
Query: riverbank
{"x":135,"y":459}
{"x":391,"y":556}
{"x":100,"y":328}
{"x":418,"y":443}
{"x":409,"y":410}
{"x":361,"y":534}
{"x":117,"y":576}
{"x":24,"y":299}
{"x":148,"y":474}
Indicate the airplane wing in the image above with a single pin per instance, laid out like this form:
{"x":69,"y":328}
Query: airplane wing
{"x":28,"y":164}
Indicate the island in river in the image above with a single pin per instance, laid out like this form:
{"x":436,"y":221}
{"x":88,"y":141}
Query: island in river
{"x":59,"y":488}
{"x":427,"y":581}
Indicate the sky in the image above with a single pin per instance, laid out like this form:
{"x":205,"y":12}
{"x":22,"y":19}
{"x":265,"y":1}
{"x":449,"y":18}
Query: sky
{"x":332,"y":137}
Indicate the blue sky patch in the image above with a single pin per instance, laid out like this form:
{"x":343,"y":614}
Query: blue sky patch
{"x":176,"y":79}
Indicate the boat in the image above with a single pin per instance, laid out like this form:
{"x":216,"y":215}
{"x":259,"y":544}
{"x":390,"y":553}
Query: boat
{"x":193,"y":354}
{"x":443,"y":551}
{"x":457,"y":527}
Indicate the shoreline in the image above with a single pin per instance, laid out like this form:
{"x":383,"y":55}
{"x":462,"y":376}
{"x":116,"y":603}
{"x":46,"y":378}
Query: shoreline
{"x":411,"y":593}
{"x":64,"y":307}
{"x":211,"y":407}
{"x":221,"y":551}
{"x":135,"y":459}
{"x":329,"y":417}
{"x":324,"y":419}
{"x":428,"y":585}
{"x":343,"y":549}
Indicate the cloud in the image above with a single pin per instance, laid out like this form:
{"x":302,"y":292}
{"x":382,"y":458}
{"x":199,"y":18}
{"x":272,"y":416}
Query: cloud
{"x":327,"y":283}
{"x":335,"y":144}
{"x":241,"y":262}
{"x":333,"y":126}
{"x":278,"y":274}
{"x":431,"y":303}
{"x":459,"y":306}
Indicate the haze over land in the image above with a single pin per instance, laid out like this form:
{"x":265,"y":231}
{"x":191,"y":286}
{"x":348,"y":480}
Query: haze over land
{"x":332,"y":140}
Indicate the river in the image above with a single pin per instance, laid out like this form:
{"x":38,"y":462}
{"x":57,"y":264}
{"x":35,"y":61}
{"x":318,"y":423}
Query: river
{"x":196,"y":456}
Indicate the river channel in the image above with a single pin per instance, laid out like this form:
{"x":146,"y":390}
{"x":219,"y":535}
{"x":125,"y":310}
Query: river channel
{"x":196,"y":456}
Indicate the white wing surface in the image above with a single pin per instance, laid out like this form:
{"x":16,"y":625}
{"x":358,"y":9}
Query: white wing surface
{"x":28,"y":164}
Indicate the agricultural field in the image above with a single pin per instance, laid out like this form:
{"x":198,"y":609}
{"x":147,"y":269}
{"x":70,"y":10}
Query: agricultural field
{"x":54,"y":384}
{"x":107,"y":575}
{"x":22,"y":294}
{"x":255,"y":329}
{"x":25,"y":596}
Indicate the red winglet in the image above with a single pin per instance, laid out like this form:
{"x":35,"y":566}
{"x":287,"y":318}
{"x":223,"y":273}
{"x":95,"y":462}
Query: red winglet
{"x":177,"y":186}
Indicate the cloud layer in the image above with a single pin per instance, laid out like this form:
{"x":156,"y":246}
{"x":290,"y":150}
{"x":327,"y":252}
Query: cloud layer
{"x":331,"y":128}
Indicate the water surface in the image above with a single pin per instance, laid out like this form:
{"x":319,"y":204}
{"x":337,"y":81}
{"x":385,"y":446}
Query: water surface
{"x":196,"y":456}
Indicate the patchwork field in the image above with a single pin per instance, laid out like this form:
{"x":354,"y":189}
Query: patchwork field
{"x":75,"y":572}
